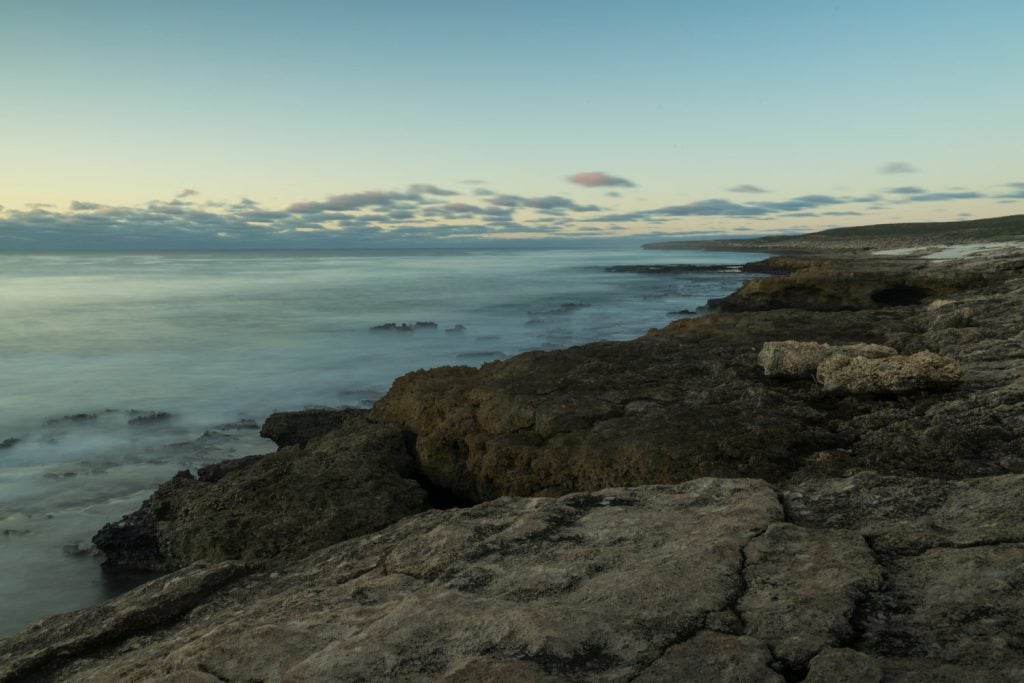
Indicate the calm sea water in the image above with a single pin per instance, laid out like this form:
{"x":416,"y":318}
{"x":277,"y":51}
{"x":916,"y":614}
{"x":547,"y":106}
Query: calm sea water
{"x":117,"y":370}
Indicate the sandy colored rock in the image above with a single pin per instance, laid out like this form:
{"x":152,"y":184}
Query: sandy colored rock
{"x":923,"y":371}
{"x":796,"y":359}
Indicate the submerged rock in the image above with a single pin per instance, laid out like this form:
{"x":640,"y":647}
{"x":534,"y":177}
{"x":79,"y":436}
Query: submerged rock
{"x":924,"y":371}
{"x":148,"y":417}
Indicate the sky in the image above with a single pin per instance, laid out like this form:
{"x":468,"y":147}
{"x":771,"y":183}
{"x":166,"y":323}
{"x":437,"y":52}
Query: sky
{"x":259,"y":123}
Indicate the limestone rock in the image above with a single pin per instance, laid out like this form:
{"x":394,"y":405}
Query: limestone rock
{"x":712,"y":656}
{"x":587,"y":585}
{"x":802,"y":587}
{"x":840,"y":665}
{"x":797,"y":359}
{"x":354,"y":480}
{"x":906,"y":516}
{"x":923,"y":371}
{"x":709,"y":580}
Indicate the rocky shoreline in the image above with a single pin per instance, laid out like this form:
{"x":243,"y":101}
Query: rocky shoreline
{"x":694,"y":504}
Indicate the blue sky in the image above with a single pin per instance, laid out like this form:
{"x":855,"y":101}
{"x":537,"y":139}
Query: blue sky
{"x":275,"y":123}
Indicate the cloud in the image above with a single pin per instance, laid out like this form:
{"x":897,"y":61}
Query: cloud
{"x":421,"y":188}
{"x":263,"y":216}
{"x":729,"y":208}
{"x":460,"y":209}
{"x":751,"y":189}
{"x":411,"y":218}
{"x":554,"y":202}
{"x":713,"y":207}
{"x":350,"y":202}
{"x":945,"y":196}
{"x":85,"y":206}
{"x":187,"y":192}
{"x":897,"y":167}
{"x":599,"y":179}
{"x":1017,"y":192}
{"x":506,"y":200}
{"x":808,"y":201}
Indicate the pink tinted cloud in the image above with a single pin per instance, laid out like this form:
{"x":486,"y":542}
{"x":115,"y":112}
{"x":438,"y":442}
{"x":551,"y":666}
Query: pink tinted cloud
{"x":599,"y":179}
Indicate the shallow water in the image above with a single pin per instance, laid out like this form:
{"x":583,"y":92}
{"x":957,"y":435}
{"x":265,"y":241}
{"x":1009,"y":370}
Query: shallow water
{"x":120,"y":369}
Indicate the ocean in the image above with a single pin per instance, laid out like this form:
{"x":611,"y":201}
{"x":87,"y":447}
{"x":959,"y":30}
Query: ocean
{"x":120,"y":369}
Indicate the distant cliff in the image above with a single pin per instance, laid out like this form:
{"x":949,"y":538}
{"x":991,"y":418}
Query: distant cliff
{"x":884,"y":236}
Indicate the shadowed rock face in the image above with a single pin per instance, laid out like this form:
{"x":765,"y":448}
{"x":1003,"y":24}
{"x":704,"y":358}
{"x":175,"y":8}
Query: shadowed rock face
{"x":356,"y":479}
{"x":299,"y":427}
{"x":837,"y":579}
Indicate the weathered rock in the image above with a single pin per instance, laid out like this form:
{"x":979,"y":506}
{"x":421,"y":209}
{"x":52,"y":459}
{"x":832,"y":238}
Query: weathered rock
{"x":840,"y":665}
{"x":354,"y":480}
{"x":296,"y":428}
{"x":650,"y":411}
{"x":710,"y":656}
{"x":802,"y":587}
{"x":698,"y":581}
{"x":796,"y":359}
{"x":902,"y":516}
{"x":923,"y":371}
{"x":56,"y":642}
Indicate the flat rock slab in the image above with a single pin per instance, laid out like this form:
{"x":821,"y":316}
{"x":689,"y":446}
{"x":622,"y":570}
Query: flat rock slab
{"x":711,"y":580}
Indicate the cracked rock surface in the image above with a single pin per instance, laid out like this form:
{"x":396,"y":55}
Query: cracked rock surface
{"x":722,"y":579}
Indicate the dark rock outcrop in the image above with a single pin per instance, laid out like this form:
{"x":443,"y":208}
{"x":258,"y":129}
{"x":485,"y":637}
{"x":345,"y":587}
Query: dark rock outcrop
{"x":297,"y":428}
{"x":354,"y":480}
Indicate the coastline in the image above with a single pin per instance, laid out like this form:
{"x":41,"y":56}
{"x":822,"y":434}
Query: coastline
{"x":684,"y":403}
